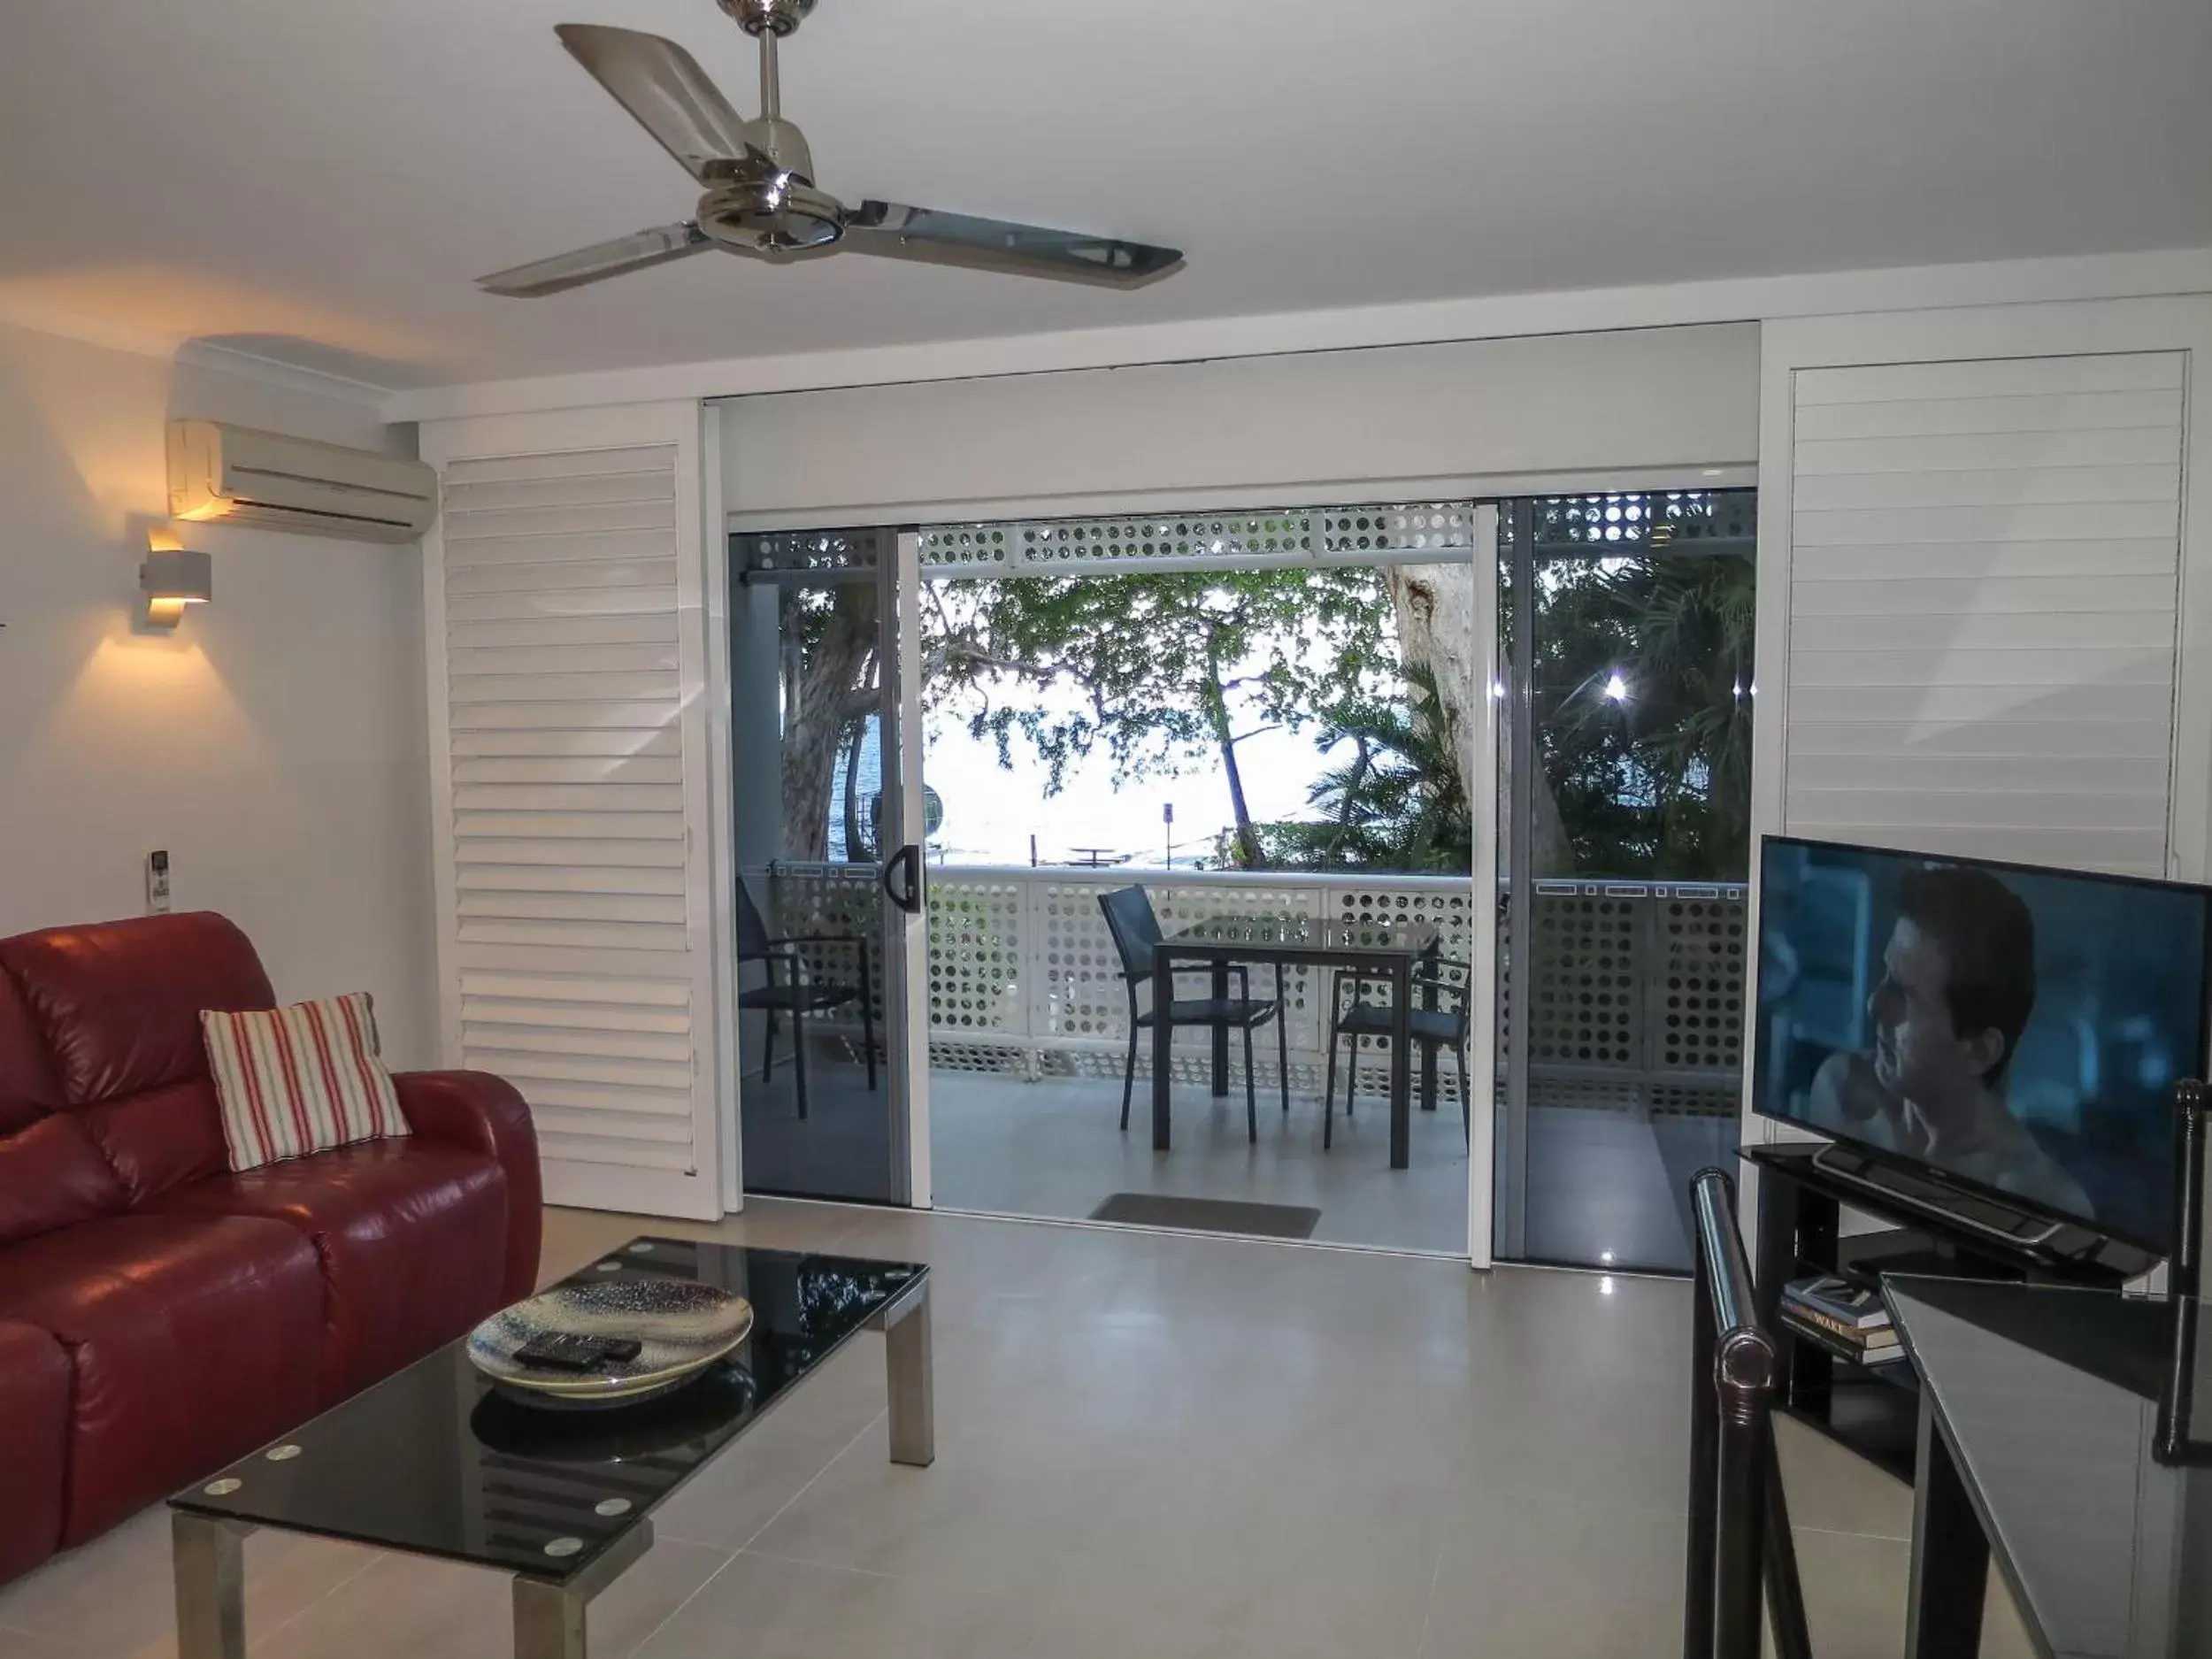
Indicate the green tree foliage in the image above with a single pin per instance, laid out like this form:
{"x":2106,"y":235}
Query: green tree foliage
{"x":1397,"y":804}
{"x":1173,"y":667}
{"x":1657,"y":783}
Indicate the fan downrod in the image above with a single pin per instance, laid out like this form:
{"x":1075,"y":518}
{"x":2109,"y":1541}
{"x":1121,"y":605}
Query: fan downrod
{"x":767,"y":17}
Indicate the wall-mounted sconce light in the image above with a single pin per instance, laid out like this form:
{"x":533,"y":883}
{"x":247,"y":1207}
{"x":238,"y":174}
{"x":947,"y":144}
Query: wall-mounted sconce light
{"x":172,"y":577}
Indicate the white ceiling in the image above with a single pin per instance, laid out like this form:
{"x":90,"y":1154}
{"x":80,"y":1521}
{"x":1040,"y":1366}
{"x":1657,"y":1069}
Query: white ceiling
{"x":320,"y":180}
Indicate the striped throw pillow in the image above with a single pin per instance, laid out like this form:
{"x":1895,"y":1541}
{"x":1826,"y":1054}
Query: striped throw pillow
{"x":300,"y":1079}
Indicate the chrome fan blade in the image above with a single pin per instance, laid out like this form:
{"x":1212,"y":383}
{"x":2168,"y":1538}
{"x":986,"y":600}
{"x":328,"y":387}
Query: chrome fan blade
{"x":662,"y":84}
{"x":924,"y":233}
{"x":653,"y":247}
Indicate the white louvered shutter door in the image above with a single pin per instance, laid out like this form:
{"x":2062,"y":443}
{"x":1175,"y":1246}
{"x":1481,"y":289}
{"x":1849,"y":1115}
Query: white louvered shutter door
{"x":567,"y":637}
{"x":1983,"y":574}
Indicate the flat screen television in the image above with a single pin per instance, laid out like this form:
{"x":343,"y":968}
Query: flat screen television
{"x":2013,"y":1029}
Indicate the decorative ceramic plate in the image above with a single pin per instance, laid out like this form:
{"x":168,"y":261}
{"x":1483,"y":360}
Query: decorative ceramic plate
{"x":681,"y":1328}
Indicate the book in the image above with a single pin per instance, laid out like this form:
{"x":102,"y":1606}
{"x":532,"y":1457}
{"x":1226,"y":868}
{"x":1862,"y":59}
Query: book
{"x":1853,"y":1306}
{"x":1868,"y":1343}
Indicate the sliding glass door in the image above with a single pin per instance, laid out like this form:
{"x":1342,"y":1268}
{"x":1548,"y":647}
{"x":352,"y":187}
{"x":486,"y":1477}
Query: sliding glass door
{"x":827,"y":815}
{"x":1626,"y":626}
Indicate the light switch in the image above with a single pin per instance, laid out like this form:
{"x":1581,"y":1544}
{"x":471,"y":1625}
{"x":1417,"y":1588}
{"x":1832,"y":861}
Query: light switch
{"x":158,"y":883}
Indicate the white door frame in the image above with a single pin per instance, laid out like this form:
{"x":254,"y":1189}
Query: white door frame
{"x":908,"y":934}
{"x":1482,"y":1083}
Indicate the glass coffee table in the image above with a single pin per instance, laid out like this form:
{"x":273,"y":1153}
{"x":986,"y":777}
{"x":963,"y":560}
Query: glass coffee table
{"x":433,"y":1462}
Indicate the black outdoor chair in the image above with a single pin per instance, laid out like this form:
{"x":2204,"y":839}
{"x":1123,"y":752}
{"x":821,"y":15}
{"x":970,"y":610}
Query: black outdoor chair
{"x":800,"y":991}
{"x":1742,"y":1557}
{"x":1129,"y":918}
{"x":1447,"y":1026}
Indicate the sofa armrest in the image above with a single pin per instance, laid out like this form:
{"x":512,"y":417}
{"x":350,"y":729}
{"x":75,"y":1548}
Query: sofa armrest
{"x":485,"y":1114}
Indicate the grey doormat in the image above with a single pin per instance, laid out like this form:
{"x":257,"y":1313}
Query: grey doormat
{"x":1209,"y":1215}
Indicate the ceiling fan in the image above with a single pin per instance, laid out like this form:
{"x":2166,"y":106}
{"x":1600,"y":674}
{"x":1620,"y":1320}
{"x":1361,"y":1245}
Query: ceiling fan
{"x":761,"y":197}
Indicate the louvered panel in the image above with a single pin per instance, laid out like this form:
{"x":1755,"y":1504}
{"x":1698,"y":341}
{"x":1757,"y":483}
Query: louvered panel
{"x":1902,"y":767}
{"x":575,"y":904}
{"x":2049,"y":699}
{"x":1937,"y":417}
{"x":568,"y":825}
{"x":1997,"y":809}
{"x":1991,"y":377}
{"x":1942,"y":526}
{"x":582,"y":852}
{"x":606,"y":566}
{"x":570,"y":656}
{"x":573,"y":1124}
{"x":594,"y":489}
{"x":574,"y":936}
{"x":640,"y":716}
{"x":582,"y":797}
{"x":673,"y":1051}
{"x":1829,"y":592}
{"x":2027,"y":482}
{"x":1964,"y":665}
{"x":544,"y":742}
{"x":573,"y":878}
{"x":1998,"y":740}
{"x":1937,"y":629}
{"x":531,"y":535}
{"x":1985,"y":568}
{"x":563,"y":631}
{"x":571,"y":906}
{"x":650,"y":687}
{"x":645,"y":1112}
{"x":567,"y":464}
{"x":486,"y":1011}
{"x":574,"y":769}
{"x":1968,"y":452}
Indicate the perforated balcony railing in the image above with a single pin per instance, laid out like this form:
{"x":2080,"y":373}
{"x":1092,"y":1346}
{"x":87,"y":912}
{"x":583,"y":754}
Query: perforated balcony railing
{"x":1638,"y":998}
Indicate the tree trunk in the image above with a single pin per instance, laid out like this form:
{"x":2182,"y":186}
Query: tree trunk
{"x":1434,"y":608}
{"x":834,"y":666}
{"x":1249,"y":855}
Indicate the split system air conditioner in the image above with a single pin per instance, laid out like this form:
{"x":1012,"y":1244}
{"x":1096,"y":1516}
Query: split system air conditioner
{"x":234,"y":475}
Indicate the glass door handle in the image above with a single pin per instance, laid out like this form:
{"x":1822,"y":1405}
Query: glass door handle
{"x":906,"y":861}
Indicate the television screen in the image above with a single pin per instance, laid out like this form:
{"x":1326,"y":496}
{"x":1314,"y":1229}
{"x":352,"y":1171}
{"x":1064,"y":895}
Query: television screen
{"x":2015,"y":1029}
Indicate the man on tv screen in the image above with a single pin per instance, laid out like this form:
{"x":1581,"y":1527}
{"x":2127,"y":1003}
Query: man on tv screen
{"x":1956,"y":988}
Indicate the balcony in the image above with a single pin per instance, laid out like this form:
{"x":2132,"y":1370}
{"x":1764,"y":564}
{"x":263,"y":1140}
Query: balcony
{"x":1639,"y":986}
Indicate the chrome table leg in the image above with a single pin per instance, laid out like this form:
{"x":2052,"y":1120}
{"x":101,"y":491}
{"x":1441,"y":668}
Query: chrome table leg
{"x":551,"y":1621}
{"x":905,"y":1327}
{"x":210,"y":1579}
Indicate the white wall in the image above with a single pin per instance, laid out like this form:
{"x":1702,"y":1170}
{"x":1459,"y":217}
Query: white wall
{"x":275,"y":745}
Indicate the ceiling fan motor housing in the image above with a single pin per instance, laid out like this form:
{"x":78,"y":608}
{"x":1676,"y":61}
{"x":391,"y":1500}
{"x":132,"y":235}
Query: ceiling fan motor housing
{"x":782,"y":213}
{"x":768,"y":17}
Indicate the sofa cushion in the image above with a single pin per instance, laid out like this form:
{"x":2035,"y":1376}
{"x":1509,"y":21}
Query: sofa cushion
{"x":51,"y":1176}
{"x":410,"y":1237}
{"x":119,"y":1003}
{"x":165,"y":1138}
{"x":27,"y":1088}
{"x":34,"y":1441}
{"x":191,"y":1341}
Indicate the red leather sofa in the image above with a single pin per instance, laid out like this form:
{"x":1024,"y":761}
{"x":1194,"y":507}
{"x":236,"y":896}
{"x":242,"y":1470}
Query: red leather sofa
{"x":159,"y":1316}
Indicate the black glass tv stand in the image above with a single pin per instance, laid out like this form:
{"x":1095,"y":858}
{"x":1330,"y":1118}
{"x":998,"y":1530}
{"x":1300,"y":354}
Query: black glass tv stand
{"x":1920,"y":1227}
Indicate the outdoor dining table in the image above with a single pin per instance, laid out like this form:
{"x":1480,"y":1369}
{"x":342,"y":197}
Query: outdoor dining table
{"x":1389,"y":947}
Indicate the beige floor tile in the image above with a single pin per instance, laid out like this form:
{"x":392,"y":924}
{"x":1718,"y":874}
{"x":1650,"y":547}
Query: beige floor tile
{"x":1550,"y":1581}
{"x":764,"y":1607}
{"x":1833,"y":1490}
{"x":115,"y":1596}
{"x":411,"y":1608}
{"x":973,"y":1520}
